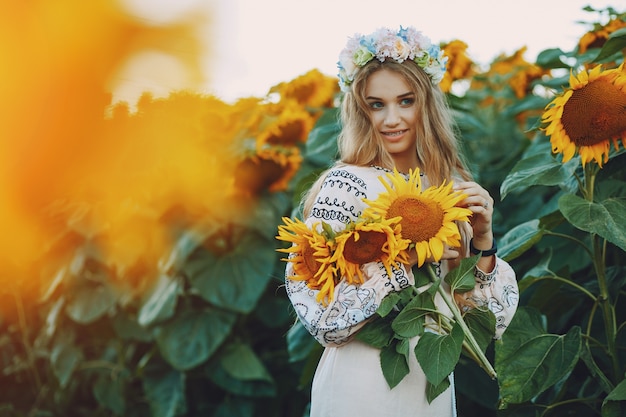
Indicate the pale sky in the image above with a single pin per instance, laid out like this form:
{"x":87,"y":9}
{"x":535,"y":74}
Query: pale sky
{"x":260,"y":43}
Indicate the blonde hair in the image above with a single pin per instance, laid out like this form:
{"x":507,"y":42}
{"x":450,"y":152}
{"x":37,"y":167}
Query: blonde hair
{"x":437,"y":147}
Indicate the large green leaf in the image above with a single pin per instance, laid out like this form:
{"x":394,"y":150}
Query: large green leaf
{"x":90,"y":302}
{"x":438,"y":354}
{"x":529,"y":361}
{"x":191,"y":337}
{"x":241,"y":362}
{"x":538,"y":169}
{"x":394,"y":365}
{"x":165,"y":391}
{"x":519,"y":239}
{"x":606,"y":219}
{"x":236,"y":279}
{"x":159,"y":302}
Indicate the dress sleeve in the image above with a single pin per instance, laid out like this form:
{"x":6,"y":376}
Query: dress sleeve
{"x":340,"y":201}
{"x":498,"y":291}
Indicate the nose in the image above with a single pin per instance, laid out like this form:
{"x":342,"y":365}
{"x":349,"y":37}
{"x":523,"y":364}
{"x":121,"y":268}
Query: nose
{"x":392,"y":116}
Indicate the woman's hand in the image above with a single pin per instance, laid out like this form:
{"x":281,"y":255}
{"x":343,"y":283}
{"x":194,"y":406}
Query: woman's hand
{"x":480,"y":203}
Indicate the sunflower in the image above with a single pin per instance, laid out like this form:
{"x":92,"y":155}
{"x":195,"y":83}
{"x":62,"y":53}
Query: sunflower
{"x":427,"y":216}
{"x":368,"y":240}
{"x":310,"y":254}
{"x":589,"y":115}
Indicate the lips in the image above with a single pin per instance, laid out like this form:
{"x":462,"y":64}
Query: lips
{"x":396,"y":134}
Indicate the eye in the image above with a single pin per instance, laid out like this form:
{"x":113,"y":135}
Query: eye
{"x":407,"y":101}
{"x":376,"y":105}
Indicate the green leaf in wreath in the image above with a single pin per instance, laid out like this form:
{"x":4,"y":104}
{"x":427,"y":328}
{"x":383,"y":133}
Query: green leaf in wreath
{"x":394,"y":365}
{"x":438,"y":354}
{"x":604,"y":219}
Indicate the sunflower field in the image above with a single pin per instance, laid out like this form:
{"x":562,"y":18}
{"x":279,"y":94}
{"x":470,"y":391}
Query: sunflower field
{"x":141,"y":274}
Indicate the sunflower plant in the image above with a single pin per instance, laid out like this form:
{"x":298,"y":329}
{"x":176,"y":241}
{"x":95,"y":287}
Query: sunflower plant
{"x":572,"y":350}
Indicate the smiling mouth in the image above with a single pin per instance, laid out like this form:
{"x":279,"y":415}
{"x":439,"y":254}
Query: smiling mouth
{"x":394,"y":134}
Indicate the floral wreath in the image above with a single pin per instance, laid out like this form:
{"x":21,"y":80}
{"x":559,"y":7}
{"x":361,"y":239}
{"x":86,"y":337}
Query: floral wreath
{"x":404,"y":44}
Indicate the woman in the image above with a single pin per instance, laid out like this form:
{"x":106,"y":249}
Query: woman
{"x":394,"y":117}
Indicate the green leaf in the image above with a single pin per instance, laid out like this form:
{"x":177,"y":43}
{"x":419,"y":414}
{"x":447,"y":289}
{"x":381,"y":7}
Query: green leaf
{"x":248,"y":388}
{"x":65,"y":357}
{"x":519,"y":239}
{"x":377,"y":333}
{"x":538,"y":272}
{"x":193,"y":336}
{"x":321,"y":144}
{"x":90,"y":302}
{"x":433,"y":391}
{"x":482,"y":324}
{"x":410,"y":321}
{"x":300,"y":343}
{"x":388,"y":304}
{"x":234,"y":280}
{"x":159,"y":302}
{"x":461,"y":279}
{"x":394,"y":365}
{"x":240,"y":361}
{"x":551,"y":58}
{"x":438,"y":354}
{"x":537,"y":169}
{"x":615,"y":43}
{"x":614,"y":403}
{"x":606,"y":219}
{"x":529,"y":361}
{"x":239,"y":407}
{"x":165,"y":392}
{"x":109,"y":391}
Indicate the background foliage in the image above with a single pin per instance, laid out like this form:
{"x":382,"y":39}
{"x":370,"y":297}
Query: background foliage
{"x":156,"y":288}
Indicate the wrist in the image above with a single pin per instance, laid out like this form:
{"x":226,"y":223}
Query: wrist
{"x":482,"y":250}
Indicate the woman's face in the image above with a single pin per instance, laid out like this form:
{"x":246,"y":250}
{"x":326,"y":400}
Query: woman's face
{"x":393,"y":113}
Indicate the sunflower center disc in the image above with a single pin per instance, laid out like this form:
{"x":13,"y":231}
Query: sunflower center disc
{"x":595,"y":113}
{"x":367,"y":249}
{"x":421,"y":219}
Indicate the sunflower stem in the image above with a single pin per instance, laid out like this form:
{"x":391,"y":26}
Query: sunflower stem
{"x":469,"y":340}
{"x":598,"y":246}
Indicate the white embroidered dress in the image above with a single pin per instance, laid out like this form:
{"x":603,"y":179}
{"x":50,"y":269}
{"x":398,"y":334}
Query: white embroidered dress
{"x":349,"y":380}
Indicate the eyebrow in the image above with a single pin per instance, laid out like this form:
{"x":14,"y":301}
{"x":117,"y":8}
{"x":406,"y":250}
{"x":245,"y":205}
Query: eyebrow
{"x":410,"y":93}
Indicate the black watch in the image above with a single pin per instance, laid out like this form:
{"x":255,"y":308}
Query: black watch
{"x":488,"y":252}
